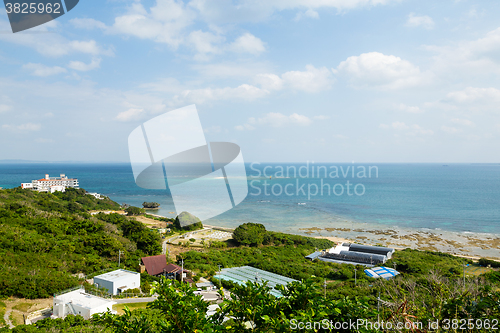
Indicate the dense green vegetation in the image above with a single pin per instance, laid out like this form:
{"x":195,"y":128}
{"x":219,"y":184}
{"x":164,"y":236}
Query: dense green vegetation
{"x":46,"y":239}
{"x":134,"y":211}
{"x":150,"y":205}
{"x":253,"y":309}
{"x":255,"y":234}
{"x":250,"y":234}
{"x":486,"y":262}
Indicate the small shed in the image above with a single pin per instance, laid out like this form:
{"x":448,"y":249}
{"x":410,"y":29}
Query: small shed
{"x":118,"y":281}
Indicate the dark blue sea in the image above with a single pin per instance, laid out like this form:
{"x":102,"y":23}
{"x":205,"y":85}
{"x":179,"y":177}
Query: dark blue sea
{"x":454,"y":197}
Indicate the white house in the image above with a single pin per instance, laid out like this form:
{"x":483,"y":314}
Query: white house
{"x":118,"y":281}
{"x":78,"y":302}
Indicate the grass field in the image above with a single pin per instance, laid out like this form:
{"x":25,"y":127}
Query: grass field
{"x":23,"y":307}
{"x":16,"y":318}
{"x":132,"y":306}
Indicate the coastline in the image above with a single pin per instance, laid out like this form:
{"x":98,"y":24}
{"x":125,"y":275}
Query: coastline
{"x":465,"y":244}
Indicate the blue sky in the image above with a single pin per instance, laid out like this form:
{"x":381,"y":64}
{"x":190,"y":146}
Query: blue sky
{"x":289,"y":81}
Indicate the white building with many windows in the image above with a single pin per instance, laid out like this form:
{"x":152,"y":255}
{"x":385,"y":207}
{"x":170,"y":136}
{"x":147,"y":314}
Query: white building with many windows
{"x":51,"y":184}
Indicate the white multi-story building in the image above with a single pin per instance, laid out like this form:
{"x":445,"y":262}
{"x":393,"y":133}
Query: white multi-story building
{"x":51,"y":184}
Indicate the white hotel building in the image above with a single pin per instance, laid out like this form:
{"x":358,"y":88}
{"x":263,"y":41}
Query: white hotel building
{"x":51,"y":184}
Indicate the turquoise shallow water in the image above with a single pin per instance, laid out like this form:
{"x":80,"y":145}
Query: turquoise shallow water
{"x":455,"y":197}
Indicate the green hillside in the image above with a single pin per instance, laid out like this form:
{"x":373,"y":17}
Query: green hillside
{"x":46,"y":239}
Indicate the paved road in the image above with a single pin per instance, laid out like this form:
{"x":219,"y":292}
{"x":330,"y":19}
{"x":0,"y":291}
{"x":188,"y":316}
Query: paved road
{"x":134,"y":300}
{"x":6,"y":318}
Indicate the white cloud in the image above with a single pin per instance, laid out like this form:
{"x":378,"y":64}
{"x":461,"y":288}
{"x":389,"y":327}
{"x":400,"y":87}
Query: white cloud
{"x":204,"y":43}
{"x":247,"y":43}
{"x":165,"y":22}
{"x":409,"y":109}
{"x":399,"y":125}
{"x":311,"y":80}
{"x":420,"y":21}
{"x":465,"y":122}
{"x":42,"y":70}
{"x":252,"y":11}
{"x":409,"y":130}
{"x":308,"y":14}
{"x":241,"y":68}
{"x":130,"y":114}
{"x":381,"y":71}
{"x":450,"y":130}
{"x":472,"y":57}
{"x":87,"y":23}
{"x":474,"y":95}
{"x":83,"y":67}
{"x":49,"y":43}
{"x":276,"y":119}
{"x":4,"y":108}
{"x":269,"y":81}
{"x":247,"y":127}
{"x":28,"y":127}
{"x":199,"y":96}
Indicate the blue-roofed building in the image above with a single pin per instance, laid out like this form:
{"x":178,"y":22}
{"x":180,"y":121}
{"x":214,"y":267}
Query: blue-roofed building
{"x":381,"y":272}
{"x":241,"y":275}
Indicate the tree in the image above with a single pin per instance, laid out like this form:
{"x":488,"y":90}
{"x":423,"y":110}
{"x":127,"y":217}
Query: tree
{"x":182,"y":310}
{"x":250,"y":234}
{"x":133,"y":211}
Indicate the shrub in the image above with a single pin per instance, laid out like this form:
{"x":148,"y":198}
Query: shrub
{"x":250,"y":234}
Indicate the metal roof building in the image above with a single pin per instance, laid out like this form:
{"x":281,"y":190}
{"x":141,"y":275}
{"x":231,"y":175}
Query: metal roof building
{"x":368,"y":259}
{"x":354,"y":254}
{"x":384,"y":251}
{"x":242,"y":274}
{"x":314,"y":255}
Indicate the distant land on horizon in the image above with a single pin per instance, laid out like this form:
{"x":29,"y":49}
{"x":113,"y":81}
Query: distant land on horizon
{"x":20,"y":161}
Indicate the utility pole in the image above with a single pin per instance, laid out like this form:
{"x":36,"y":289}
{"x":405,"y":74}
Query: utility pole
{"x":220,"y":279}
{"x":464,"y":265}
{"x":182,"y":271}
{"x":119,"y":257}
{"x":355,"y":278}
{"x":378,"y":307}
{"x":324,"y":285}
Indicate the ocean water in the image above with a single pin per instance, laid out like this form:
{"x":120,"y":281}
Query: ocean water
{"x":454,"y":197}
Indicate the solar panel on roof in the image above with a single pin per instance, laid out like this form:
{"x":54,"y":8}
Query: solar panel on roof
{"x":381,"y":272}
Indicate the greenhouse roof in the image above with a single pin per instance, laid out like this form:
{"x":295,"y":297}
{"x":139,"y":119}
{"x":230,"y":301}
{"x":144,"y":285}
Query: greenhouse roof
{"x":242,"y":274}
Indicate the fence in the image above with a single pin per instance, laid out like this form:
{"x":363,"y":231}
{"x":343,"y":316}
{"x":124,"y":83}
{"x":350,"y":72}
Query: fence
{"x":39,"y":313}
